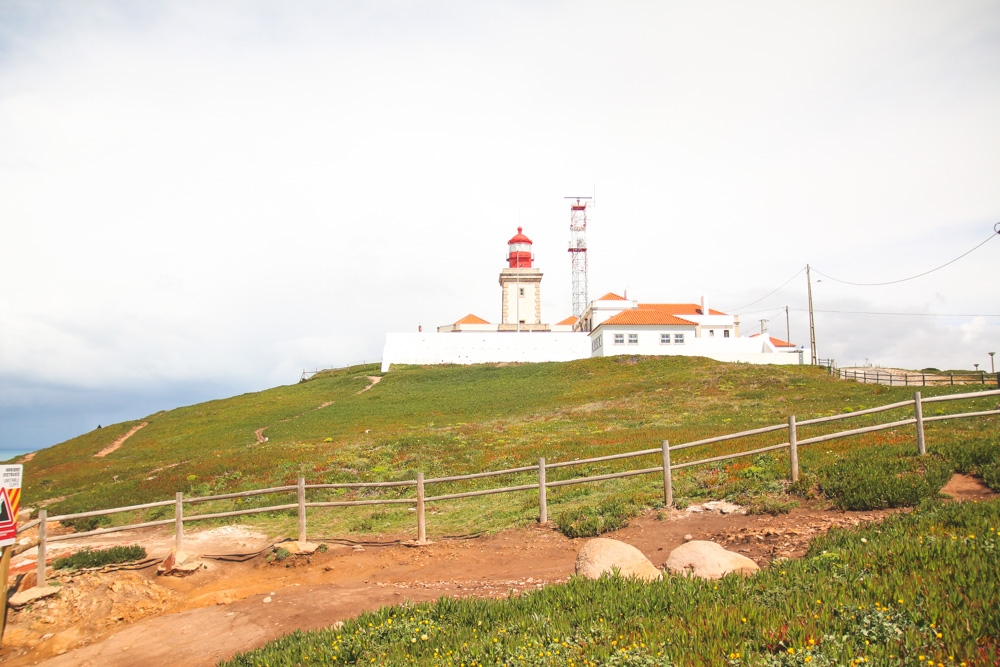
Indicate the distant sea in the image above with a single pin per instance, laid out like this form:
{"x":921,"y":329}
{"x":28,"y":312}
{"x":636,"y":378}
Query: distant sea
{"x":8,"y":454}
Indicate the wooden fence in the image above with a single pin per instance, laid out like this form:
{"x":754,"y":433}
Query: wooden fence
{"x":664,"y":467}
{"x":907,"y":379}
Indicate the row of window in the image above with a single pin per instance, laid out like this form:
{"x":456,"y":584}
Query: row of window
{"x":665,"y":339}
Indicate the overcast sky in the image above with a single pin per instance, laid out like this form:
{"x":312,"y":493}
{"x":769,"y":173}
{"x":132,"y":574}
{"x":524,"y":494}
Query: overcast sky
{"x":199,"y":199}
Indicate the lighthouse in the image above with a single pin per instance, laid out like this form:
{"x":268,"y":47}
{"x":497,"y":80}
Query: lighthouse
{"x":520,"y":282}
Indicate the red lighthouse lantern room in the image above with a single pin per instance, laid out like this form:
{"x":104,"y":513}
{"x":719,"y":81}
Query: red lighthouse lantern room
{"x":519,"y":251}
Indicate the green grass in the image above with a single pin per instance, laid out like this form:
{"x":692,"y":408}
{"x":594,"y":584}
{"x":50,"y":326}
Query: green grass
{"x":586,"y":521}
{"x":917,"y":586}
{"x":88,"y":557}
{"x":451,"y":420}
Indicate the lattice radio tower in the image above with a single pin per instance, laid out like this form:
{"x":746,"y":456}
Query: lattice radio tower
{"x":578,"y":252}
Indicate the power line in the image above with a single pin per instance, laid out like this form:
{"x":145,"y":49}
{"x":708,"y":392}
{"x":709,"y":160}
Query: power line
{"x":770,"y":293}
{"x":996,"y":231}
{"x":871,"y":312}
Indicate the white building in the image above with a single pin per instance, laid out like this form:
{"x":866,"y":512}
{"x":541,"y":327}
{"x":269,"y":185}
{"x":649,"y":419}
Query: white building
{"x":609,"y":326}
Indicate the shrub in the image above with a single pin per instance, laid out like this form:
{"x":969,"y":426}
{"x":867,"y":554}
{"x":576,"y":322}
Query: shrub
{"x":991,"y":475}
{"x":880,"y":478}
{"x":770,"y":505}
{"x":278,"y":554}
{"x":88,"y":523}
{"x":87,"y":557}
{"x":592,"y":521}
{"x":969,"y":456}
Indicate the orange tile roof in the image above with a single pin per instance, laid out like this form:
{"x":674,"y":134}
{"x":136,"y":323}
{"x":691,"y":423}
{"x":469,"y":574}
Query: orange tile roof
{"x":777,"y":342}
{"x":644,"y":316}
{"x":471,"y":319}
{"x":680,"y":308}
{"x":572,"y":319}
{"x":611,"y":296}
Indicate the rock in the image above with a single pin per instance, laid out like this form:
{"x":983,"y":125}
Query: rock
{"x":601,"y":555}
{"x":29,"y":580}
{"x":266,"y":600}
{"x":179,"y":565}
{"x":23,"y":598}
{"x":724,"y":507}
{"x":688,"y":537}
{"x":303,"y":548}
{"x":707,"y":560}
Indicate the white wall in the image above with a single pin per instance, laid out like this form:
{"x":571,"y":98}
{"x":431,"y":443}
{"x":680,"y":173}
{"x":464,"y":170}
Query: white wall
{"x":748,"y":350}
{"x":483,"y":348}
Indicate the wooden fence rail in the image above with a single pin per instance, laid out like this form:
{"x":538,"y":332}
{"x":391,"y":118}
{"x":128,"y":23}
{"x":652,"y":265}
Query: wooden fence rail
{"x":665,"y":468}
{"x":922,"y":379}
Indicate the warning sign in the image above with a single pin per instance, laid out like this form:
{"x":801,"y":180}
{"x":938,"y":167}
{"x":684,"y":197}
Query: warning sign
{"x":10,"y":501}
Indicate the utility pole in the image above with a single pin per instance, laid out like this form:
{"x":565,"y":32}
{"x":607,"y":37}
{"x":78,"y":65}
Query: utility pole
{"x":762,"y":323}
{"x":812,"y":321}
{"x":788,"y":328}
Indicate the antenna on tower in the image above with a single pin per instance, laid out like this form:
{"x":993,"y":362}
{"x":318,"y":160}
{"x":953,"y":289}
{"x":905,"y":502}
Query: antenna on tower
{"x":578,"y":252}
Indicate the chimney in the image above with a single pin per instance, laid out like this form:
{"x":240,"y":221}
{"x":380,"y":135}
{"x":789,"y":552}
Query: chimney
{"x":704,"y":305}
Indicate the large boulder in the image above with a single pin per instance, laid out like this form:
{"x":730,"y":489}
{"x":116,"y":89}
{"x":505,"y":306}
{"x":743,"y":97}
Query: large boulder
{"x":707,"y":560}
{"x":603,"y":556}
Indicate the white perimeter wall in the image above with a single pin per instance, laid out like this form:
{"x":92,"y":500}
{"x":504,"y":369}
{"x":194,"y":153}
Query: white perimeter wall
{"x":747,"y":350}
{"x":483,"y":348}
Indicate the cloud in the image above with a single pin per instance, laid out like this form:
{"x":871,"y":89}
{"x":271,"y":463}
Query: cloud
{"x":204,"y":192}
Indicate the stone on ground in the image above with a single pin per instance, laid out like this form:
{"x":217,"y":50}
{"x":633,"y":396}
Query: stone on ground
{"x":23,"y":598}
{"x":602,"y":556}
{"x":707,"y":560}
{"x":179,"y":565}
{"x":304,"y":548}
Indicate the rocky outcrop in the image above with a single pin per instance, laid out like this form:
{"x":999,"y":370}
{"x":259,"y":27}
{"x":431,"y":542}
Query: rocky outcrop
{"x":707,"y":560}
{"x":603,"y":556}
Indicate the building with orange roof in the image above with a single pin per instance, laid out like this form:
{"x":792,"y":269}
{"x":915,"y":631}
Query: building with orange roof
{"x":610,"y":325}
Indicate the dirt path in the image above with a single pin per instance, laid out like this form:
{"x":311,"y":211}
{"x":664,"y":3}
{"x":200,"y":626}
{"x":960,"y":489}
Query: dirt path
{"x":239,"y":602}
{"x":120,"y":441}
{"x":373,"y":379}
{"x":259,"y":433}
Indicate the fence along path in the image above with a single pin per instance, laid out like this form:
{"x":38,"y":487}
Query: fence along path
{"x":420,"y":499}
{"x":922,"y":379}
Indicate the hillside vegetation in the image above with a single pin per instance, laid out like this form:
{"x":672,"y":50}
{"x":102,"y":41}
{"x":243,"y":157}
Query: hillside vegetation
{"x":450,"y":420}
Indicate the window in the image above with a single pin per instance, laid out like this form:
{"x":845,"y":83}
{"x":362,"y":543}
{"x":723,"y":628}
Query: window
{"x":633,"y":339}
{"x":619,"y":339}
{"x":664,"y":339}
{"x":725,"y":334}
{"x":521,"y":291}
{"x":678,"y":339}
{"x":711,"y":333}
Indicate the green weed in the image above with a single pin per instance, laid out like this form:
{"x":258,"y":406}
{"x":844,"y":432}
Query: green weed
{"x":88,"y":557}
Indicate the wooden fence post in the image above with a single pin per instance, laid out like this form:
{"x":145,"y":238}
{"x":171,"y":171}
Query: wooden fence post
{"x":543,"y":506}
{"x":793,"y":448}
{"x":43,"y":516}
{"x":301,"y":497}
{"x":421,"y":525}
{"x":668,"y":482}
{"x":918,"y":412}
{"x":952,"y":376}
{"x":178,"y":523}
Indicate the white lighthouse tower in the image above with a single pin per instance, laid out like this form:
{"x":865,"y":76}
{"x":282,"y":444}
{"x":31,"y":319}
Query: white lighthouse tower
{"x":521,"y":304}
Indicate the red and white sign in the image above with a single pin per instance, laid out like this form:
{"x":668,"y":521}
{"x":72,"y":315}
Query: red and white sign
{"x":10,"y":501}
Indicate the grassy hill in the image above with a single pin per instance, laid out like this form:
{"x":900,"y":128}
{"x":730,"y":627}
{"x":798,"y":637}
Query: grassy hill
{"x":457,"y":420}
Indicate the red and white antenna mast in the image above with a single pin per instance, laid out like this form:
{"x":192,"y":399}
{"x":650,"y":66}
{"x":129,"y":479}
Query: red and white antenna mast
{"x":578,"y":252}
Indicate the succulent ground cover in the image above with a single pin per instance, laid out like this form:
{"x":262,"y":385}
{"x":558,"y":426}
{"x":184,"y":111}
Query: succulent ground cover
{"x":917,"y":589}
{"x":457,"y":420}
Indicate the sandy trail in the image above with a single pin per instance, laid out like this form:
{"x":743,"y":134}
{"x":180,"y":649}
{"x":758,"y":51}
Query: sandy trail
{"x":221,"y":610}
{"x":120,"y":441}
{"x":259,"y":433}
